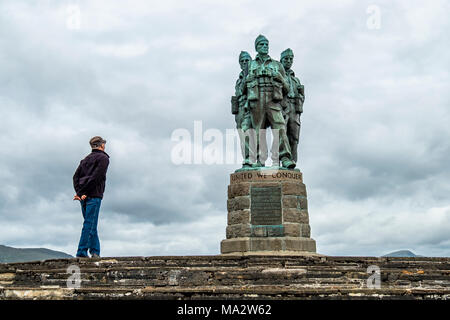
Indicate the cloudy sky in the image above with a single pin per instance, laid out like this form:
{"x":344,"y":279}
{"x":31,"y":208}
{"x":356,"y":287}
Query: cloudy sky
{"x":374,"y":149}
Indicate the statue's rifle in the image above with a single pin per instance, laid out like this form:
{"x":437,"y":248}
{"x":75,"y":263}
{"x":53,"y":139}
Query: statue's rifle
{"x":244,"y":78}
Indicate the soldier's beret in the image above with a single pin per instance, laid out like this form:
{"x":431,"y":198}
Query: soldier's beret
{"x":259,"y":39}
{"x":287,"y":52}
{"x":244,"y":54}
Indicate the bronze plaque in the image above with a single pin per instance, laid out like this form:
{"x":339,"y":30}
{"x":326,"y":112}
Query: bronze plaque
{"x":265,"y":205}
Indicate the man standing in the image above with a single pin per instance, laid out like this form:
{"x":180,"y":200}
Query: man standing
{"x":89,"y":184}
{"x":292,"y":102}
{"x":266,"y":84}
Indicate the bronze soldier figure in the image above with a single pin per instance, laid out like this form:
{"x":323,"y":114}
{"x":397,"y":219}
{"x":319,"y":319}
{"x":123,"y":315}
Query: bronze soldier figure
{"x":265,"y":85}
{"x":239,"y":106}
{"x":239,"y":99}
{"x":292,"y":102}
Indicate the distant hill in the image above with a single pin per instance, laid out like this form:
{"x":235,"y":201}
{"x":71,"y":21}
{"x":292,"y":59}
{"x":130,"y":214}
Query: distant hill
{"x":402,"y":254}
{"x":10,"y":254}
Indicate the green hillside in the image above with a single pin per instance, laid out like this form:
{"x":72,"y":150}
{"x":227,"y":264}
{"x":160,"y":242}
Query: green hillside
{"x":10,"y":254}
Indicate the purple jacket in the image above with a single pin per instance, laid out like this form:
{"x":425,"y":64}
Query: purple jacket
{"x":90,"y":177}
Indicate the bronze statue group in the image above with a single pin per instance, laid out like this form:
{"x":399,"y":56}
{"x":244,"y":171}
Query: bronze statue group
{"x":268,"y":94}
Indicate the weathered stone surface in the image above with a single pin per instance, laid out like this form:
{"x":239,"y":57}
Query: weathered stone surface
{"x":304,"y":216}
{"x":239,"y":217}
{"x":295,"y":216}
{"x":300,"y":244}
{"x":292,"y":229}
{"x":266,"y":244}
{"x":239,"y":189}
{"x":7,"y":278}
{"x":291,"y":215}
{"x":291,"y":188}
{"x":258,"y":231}
{"x":230,"y":276}
{"x":234,"y":245}
{"x":238,"y":203}
{"x":267,"y":231}
{"x":290,"y":201}
{"x":293,"y":201}
{"x":238,"y":230}
{"x":266,"y":184}
{"x":274,"y":203}
{"x":303,"y":202}
{"x":273,"y":244}
{"x":266,"y":176}
{"x":305,"y":230}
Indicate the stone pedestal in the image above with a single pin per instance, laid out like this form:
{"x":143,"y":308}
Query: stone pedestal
{"x":267,"y":211}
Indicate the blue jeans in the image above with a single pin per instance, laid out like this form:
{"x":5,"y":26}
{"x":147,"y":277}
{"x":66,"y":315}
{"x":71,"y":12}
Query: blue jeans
{"x":90,"y":207}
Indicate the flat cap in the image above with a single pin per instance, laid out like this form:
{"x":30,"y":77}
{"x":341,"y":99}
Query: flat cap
{"x":96,"y":141}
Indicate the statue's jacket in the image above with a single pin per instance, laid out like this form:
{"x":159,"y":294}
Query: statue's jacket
{"x":296,"y":94}
{"x":263,"y":74}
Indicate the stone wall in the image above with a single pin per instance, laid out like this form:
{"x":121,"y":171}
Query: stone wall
{"x":227,"y":277}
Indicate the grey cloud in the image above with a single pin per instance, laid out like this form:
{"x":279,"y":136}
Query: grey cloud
{"x":374,"y":129}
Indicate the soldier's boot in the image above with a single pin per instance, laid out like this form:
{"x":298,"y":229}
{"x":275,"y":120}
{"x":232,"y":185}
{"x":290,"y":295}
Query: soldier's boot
{"x":246,"y":164}
{"x":258,"y":164}
{"x":288,"y":163}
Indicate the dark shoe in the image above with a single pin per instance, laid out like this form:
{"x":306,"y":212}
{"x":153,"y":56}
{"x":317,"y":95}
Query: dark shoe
{"x":82,"y":256}
{"x":94,"y":255}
